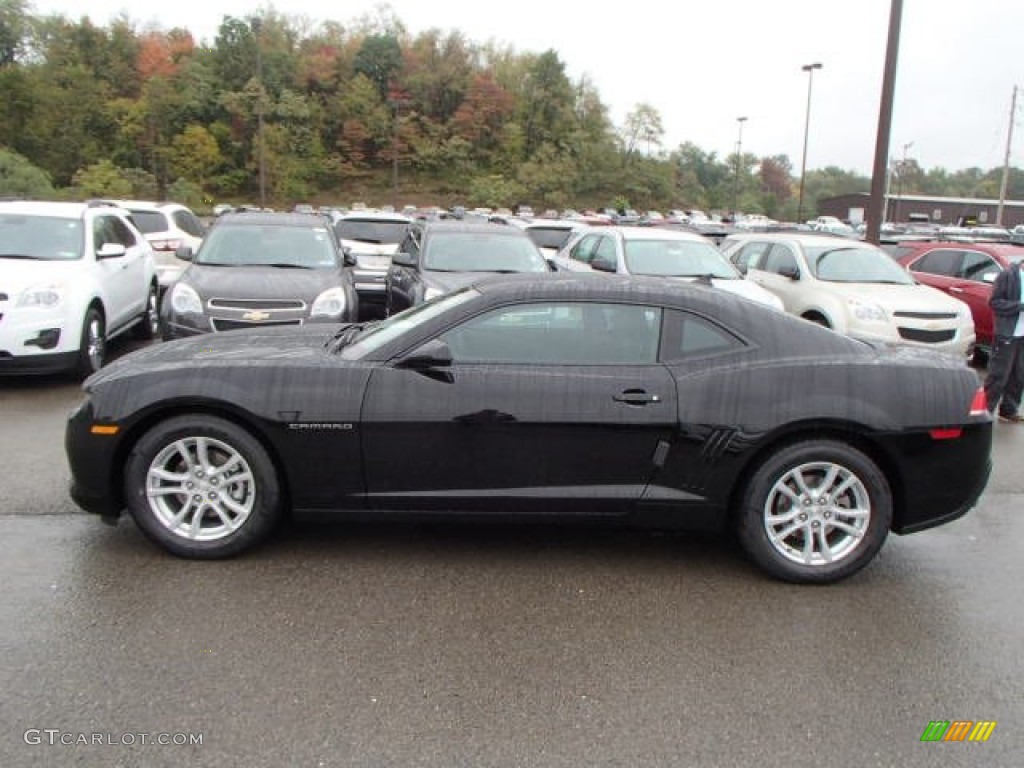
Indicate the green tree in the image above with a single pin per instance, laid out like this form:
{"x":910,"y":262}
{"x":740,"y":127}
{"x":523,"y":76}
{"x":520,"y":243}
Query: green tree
{"x":102,"y":179}
{"x":195,"y":155}
{"x":379,"y":60}
{"x":19,"y":178}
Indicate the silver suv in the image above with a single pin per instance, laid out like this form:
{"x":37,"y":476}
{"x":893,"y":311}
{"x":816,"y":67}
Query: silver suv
{"x":72,"y":275}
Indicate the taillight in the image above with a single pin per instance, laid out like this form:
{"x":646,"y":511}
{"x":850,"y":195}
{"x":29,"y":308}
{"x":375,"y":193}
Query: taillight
{"x":979,"y":405}
{"x":165,"y":245}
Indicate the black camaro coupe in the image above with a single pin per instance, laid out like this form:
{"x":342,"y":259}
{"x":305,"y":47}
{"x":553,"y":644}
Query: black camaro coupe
{"x":623,"y":399}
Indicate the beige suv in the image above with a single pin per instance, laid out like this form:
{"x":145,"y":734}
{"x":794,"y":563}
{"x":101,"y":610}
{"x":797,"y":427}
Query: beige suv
{"x":854,"y":288}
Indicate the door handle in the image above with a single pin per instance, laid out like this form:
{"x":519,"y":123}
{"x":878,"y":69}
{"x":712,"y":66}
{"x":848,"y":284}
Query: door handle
{"x":635,"y":397}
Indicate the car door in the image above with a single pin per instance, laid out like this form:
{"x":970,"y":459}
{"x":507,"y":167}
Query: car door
{"x":580,"y":254}
{"x":556,"y":406}
{"x":402,"y":281}
{"x":974,"y":286}
{"x":123,"y":276}
{"x":777,"y":269}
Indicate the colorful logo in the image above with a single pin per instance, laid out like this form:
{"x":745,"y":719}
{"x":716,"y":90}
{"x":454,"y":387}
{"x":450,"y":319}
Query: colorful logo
{"x":958,"y":730}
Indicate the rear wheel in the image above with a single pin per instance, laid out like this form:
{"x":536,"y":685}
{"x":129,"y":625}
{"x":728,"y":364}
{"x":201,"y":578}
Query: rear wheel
{"x":815,"y":512}
{"x":92,"y":347}
{"x":202,"y":487}
{"x":149,"y":321}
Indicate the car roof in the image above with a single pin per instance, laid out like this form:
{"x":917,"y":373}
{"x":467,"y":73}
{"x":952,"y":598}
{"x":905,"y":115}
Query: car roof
{"x":262,"y":219}
{"x":804,"y":238}
{"x":50,"y":208}
{"x":654,"y":233}
{"x":373,"y":216}
{"x":147,"y":205}
{"x":471,"y":227}
{"x":587,"y":286}
{"x":1008,"y":250}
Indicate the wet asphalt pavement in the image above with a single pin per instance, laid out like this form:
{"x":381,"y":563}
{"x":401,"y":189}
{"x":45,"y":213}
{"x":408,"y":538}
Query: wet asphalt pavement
{"x":372,"y":645}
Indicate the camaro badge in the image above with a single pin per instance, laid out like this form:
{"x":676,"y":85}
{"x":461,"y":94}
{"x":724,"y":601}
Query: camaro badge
{"x":256,"y":316}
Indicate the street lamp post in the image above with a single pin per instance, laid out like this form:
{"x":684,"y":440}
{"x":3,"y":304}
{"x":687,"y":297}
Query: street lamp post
{"x":257,"y":24}
{"x":739,"y":165}
{"x":899,"y":182}
{"x":809,"y":69}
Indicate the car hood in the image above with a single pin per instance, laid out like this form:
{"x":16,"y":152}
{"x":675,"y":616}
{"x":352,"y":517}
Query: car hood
{"x":452,"y":281}
{"x":261,"y":282}
{"x":18,"y":274}
{"x":745,"y":288}
{"x":291,"y":344}
{"x":359,"y":248}
{"x":903,"y":298}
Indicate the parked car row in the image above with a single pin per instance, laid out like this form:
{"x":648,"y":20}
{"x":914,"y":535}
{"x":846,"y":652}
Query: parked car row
{"x":259,"y":269}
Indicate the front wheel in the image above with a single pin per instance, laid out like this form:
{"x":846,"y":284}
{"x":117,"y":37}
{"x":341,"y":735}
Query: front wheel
{"x":148,"y":325}
{"x":202,"y":487}
{"x":92,"y":347}
{"x":815,"y":512}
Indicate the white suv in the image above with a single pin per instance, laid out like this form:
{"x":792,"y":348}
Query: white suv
{"x":72,"y":275}
{"x":167,"y":227}
{"x":854,"y":288}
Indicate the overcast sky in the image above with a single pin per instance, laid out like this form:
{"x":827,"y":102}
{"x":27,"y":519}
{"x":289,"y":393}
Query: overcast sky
{"x":704,"y":64}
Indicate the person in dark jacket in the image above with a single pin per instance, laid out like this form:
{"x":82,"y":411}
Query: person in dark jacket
{"x":1004,"y":383}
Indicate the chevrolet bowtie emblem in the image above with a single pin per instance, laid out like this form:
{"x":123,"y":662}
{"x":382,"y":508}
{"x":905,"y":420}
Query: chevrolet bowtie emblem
{"x":256,"y":316}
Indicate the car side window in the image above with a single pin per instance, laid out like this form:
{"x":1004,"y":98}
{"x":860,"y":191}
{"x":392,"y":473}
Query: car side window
{"x":188,"y":222}
{"x":977,"y":266}
{"x":780,"y":258}
{"x":606,"y":249}
{"x":942,"y":261}
{"x":570,"y":333}
{"x":751,"y":255}
{"x":688,"y":335}
{"x":584,"y":250}
{"x":410,"y":244}
{"x":103,"y":232}
{"x":122,"y":233}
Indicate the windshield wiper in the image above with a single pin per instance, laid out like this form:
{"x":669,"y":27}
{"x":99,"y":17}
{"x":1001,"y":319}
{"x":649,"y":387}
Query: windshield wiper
{"x":347,"y":334}
{"x":22,"y":256}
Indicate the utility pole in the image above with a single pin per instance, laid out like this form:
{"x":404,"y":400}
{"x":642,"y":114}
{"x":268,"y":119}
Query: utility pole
{"x":877,"y":201}
{"x":809,"y":69}
{"x":739,"y":165}
{"x":1006,"y":161}
{"x":257,"y":27}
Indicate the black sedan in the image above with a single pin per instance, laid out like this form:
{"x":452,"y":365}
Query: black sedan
{"x":612,"y":398}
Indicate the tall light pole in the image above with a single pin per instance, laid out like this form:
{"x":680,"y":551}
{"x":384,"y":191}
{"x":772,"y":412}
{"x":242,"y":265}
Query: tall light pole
{"x":739,"y":162}
{"x":809,"y":69}
{"x":899,"y":182}
{"x":257,"y":25}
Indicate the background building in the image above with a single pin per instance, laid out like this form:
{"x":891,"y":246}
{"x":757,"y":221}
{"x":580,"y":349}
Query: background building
{"x":940,"y":210}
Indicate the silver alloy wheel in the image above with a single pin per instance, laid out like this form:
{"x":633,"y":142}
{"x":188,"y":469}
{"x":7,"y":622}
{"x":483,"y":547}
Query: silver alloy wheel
{"x":200,"y":488}
{"x":817,"y":513}
{"x":152,"y":314}
{"x":95,"y":345}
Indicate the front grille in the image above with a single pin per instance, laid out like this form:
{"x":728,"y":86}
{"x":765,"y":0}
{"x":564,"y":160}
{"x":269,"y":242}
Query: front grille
{"x":265,"y":304}
{"x":927,"y":337}
{"x":220,"y":324}
{"x":926,"y":315}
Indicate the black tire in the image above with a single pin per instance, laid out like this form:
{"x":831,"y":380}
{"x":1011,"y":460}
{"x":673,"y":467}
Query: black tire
{"x":228,"y":502}
{"x":842,"y":539}
{"x":148,"y":326}
{"x":92,"y":344}
{"x":814,"y":317}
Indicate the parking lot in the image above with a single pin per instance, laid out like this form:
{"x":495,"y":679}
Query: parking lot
{"x":380,"y":645}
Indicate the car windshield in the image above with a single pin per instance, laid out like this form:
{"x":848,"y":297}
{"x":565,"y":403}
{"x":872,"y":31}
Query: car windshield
{"x":855,"y":264}
{"x":482,"y":252}
{"x":387,"y":330}
{"x":268,"y":245}
{"x":40,"y":238}
{"x":149,"y":222}
{"x":549,"y":237}
{"x":677,"y":258}
{"x":372,"y":231}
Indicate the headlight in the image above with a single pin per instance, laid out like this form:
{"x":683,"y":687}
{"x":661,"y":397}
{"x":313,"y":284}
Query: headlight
{"x":47,"y":296}
{"x":330,"y":303}
{"x":864,"y":311}
{"x":432,"y":293}
{"x":185,"y":300}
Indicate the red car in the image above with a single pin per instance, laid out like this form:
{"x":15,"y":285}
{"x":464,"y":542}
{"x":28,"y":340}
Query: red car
{"x":964,"y":270}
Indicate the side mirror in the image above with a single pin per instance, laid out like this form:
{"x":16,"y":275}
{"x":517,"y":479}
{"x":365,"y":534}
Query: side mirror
{"x":552,"y":264}
{"x":111,"y":251}
{"x":403,"y":259}
{"x":791,"y":272}
{"x":183,"y":252}
{"x":432,"y":354}
{"x":603,"y":264}
{"x":348,"y":258}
